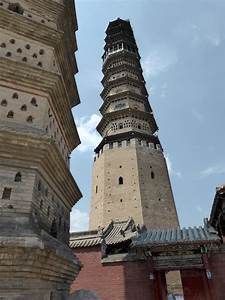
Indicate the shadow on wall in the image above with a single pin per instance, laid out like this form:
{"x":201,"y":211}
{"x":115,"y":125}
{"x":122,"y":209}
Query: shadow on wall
{"x":84,"y":295}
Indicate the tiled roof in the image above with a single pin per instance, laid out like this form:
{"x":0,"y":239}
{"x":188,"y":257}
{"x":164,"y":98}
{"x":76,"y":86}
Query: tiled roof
{"x":152,"y":238}
{"x":120,"y":231}
{"x":116,"y":232}
{"x":85,"y":239}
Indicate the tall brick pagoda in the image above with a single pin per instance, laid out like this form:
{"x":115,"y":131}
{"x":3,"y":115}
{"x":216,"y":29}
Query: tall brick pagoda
{"x":130,"y":176}
{"x":37,"y":135}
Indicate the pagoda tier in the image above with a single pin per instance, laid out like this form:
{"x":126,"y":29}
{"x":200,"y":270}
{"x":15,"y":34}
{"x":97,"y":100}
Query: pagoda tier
{"x":132,"y":101}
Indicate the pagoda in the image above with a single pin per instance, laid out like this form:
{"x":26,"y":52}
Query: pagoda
{"x":37,"y":135}
{"x":130,"y":175}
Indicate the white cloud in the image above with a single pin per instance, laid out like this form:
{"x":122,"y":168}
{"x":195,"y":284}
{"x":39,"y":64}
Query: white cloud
{"x":203,"y":33}
{"x":86,"y":127}
{"x":214,"y":39}
{"x":159,"y":60}
{"x":171,"y":170}
{"x":78,"y":220}
{"x":213,"y":170}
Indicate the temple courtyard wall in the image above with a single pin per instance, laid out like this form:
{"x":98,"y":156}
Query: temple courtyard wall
{"x":122,"y":280}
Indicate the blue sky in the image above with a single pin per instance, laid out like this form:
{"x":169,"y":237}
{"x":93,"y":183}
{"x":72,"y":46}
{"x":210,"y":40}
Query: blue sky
{"x":182,"y":45}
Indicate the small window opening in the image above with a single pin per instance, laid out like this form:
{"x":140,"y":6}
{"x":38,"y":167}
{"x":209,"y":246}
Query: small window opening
{"x":24,"y":107}
{"x":48,"y":211}
{"x":139,"y":126}
{"x":18,"y":177}
{"x":3,"y":45}
{"x":120,"y":126}
{"x":33,"y":101}
{"x":96,"y":189}
{"x":39,"y":185}
{"x":53,"y":231}
{"x":6,"y":193}
{"x":152,"y":175}
{"x":10,"y":114}
{"x":27,"y":46}
{"x":119,"y":144}
{"x":15,"y":96}
{"x":128,"y":142}
{"x":120,"y":180}
{"x":4,"y":102}
{"x":16,"y":7}
{"x":121,"y":200}
{"x":110,"y":145}
{"x":30,"y":119}
{"x":60,"y":221}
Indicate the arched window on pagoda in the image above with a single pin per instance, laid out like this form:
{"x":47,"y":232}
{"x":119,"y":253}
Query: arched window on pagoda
{"x":120,"y":180}
{"x":16,"y":7}
{"x":54,"y":229}
{"x":18,"y":177}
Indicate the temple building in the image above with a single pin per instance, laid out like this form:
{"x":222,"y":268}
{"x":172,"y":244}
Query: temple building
{"x":135,"y":248}
{"x":37,"y":135}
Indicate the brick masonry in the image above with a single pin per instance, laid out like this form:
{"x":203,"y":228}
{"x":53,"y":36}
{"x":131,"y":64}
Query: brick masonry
{"x":113,"y":281}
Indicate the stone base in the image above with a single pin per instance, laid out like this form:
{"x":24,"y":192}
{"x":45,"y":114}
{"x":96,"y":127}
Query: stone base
{"x":36,"y":268}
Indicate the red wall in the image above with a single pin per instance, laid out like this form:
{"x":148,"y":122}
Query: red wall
{"x":217,"y":267}
{"x":114,"y":281}
{"x":195,"y":285}
{"x":130,"y":280}
{"x":198,"y":287}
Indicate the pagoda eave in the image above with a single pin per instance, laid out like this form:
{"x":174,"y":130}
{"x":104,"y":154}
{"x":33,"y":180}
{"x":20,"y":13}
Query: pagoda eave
{"x":141,"y":115}
{"x":42,"y":153}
